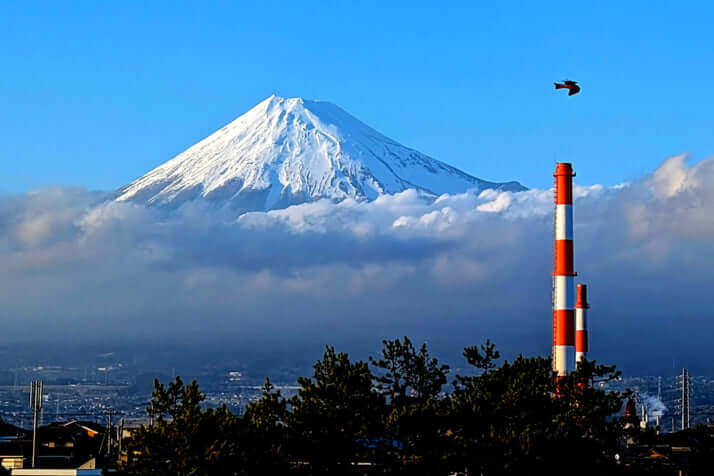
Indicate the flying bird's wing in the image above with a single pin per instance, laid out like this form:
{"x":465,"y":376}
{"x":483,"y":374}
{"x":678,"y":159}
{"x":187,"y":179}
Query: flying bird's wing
{"x":570,"y":83}
{"x":574,"y":90}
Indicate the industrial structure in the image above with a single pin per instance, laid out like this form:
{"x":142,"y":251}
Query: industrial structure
{"x":570,"y":329}
{"x":684,"y":402}
{"x":563,"y":273}
{"x":581,"y":323}
{"x":36,"y":406}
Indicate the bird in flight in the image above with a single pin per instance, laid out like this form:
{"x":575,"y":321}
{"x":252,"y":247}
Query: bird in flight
{"x":572,"y":86}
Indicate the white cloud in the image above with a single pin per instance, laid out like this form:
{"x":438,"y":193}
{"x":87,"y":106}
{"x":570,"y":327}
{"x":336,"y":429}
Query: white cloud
{"x":464,"y":267}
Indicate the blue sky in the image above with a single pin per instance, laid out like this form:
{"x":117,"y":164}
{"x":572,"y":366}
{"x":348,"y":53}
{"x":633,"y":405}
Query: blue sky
{"x":97,"y":93}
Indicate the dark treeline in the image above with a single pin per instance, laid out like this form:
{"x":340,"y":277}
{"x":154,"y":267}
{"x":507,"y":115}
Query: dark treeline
{"x":395,"y":414}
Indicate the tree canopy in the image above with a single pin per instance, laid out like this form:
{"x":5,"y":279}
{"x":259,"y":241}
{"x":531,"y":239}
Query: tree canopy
{"x":394,"y":414}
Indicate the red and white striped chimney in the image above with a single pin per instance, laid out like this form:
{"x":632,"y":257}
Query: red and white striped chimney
{"x":581,"y":323}
{"x":563,"y":273}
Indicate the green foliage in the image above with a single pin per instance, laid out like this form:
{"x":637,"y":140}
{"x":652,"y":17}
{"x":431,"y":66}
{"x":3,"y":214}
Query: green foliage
{"x":484,"y":358}
{"x":407,"y":373}
{"x":184,"y":438}
{"x":267,"y":425}
{"x":335,"y":414}
{"x":413,"y":434}
{"x":506,"y":418}
{"x":518,"y":418}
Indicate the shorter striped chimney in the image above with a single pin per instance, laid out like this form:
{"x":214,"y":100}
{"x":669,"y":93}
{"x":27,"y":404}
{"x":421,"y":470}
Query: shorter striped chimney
{"x":581,"y":323}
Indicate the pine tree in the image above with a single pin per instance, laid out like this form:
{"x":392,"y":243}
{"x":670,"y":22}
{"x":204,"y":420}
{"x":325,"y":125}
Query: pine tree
{"x":335,"y":418}
{"x":184,"y":438}
{"x":268,"y":441}
{"x":414,"y":431}
{"x":517,"y":418}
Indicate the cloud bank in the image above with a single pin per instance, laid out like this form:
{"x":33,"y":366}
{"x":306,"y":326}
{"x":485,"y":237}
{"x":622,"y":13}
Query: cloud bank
{"x":454,"y":270}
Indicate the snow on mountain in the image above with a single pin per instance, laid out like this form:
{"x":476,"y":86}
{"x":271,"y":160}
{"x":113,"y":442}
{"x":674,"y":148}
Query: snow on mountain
{"x":288,"y":151}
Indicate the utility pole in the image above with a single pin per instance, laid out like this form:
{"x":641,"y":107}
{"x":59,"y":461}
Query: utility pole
{"x":120,"y":437}
{"x":109,"y":434}
{"x":685,"y":399}
{"x":36,"y":406}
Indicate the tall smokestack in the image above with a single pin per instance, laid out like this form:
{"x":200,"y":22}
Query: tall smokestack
{"x":581,"y":323}
{"x":563,"y":273}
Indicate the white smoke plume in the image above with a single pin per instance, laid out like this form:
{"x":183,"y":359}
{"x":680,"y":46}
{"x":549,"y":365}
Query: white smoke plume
{"x":653,"y":406}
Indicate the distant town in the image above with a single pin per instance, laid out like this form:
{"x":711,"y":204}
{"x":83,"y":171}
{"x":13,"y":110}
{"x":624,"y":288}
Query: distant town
{"x":107,"y":386}
{"x":113,"y":387}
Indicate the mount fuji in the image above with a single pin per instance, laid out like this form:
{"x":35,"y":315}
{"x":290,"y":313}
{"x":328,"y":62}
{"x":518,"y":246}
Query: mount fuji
{"x":289,"y":151}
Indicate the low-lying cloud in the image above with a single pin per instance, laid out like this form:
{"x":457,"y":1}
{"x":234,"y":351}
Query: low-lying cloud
{"x":454,"y":270}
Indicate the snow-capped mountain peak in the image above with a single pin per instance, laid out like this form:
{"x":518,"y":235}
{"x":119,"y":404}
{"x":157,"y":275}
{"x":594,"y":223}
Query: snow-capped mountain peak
{"x":291,"y":150}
